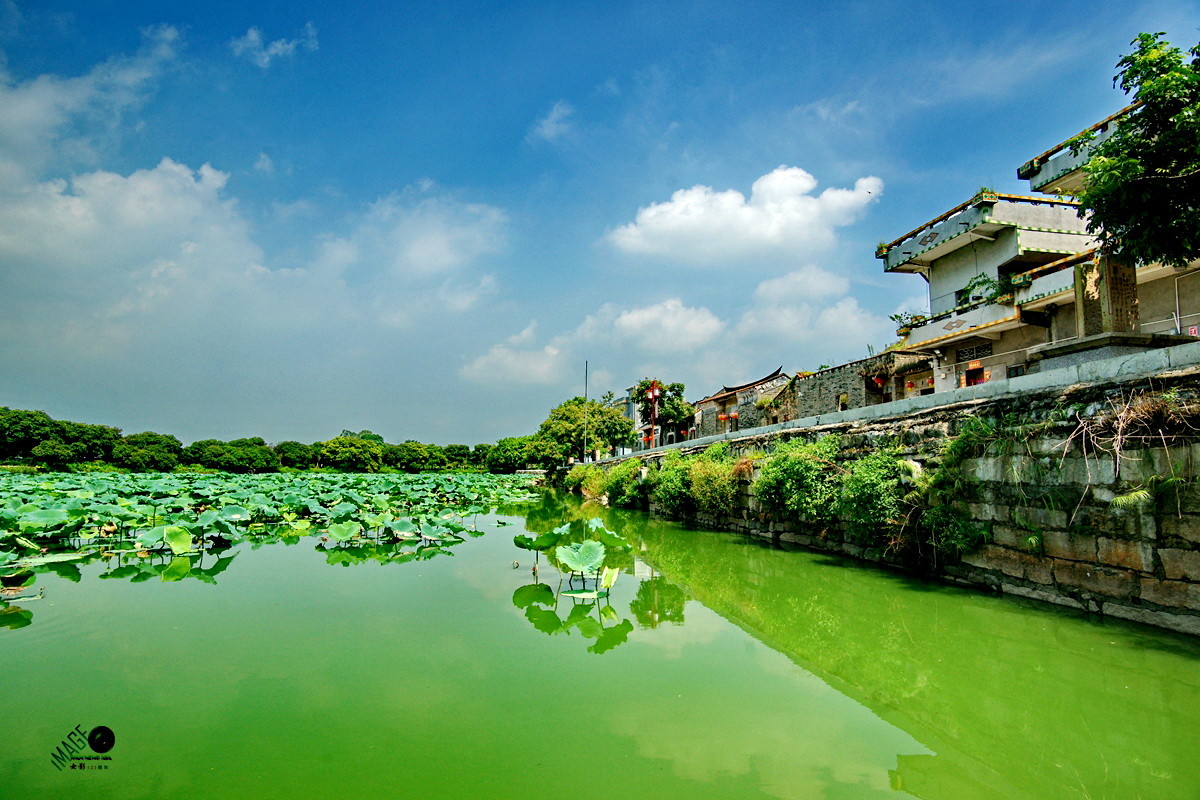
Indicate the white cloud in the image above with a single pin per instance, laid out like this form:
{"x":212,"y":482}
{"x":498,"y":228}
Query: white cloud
{"x":264,"y":163}
{"x":556,"y":124}
{"x":508,"y":365}
{"x":669,"y":326}
{"x":252,"y":47}
{"x":418,"y":232}
{"x":780,"y":218}
{"x":69,"y":119}
{"x":805,"y":283}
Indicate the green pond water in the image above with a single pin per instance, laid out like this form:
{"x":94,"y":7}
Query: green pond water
{"x":719,"y":668}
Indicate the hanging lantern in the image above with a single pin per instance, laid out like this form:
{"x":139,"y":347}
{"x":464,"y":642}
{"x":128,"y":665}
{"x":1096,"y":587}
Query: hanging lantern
{"x":878,"y":381}
{"x":929,"y":381}
{"x":734,"y":415}
{"x":722,"y":417}
{"x":910,"y":385}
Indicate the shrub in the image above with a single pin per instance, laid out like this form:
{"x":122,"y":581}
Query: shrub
{"x":623,"y":484}
{"x":801,"y":479}
{"x":871,"y":494}
{"x":714,"y":485}
{"x":672,"y":486}
{"x":574,"y":479}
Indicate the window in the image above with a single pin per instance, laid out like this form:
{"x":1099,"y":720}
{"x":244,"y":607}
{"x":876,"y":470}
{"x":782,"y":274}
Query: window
{"x":1015,"y":371}
{"x":974,"y":353}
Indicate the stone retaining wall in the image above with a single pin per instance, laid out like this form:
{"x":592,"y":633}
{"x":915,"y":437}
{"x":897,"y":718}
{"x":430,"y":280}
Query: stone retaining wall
{"x":1054,"y":533}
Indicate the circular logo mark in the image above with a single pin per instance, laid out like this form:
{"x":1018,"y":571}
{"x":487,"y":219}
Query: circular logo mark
{"x":101,"y":739}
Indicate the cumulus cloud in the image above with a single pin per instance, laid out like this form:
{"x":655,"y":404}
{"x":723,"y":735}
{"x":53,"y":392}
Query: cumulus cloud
{"x":800,"y":319}
{"x":264,"y":163}
{"x":556,"y":124}
{"x":418,"y":232}
{"x":781,"y":217}
{"x":70,"y":119}
{"x":803,"y":284}
{"x":252,"y":47}
{"x":669,"y":326}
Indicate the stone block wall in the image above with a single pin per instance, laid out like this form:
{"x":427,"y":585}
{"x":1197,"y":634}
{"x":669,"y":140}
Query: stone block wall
{"x":1054,"y":533}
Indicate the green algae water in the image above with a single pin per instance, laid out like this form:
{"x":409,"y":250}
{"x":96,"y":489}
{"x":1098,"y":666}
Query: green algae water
{"x":719,"y":667}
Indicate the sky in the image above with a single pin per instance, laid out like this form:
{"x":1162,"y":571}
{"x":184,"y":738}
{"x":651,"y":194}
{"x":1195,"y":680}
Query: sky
{"x":284,"y":220}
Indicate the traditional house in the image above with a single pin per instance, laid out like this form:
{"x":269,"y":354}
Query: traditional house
{"x":1099,"y":308}
{"x":736,"y":407}
{"x":973,"y":258}
{"x":881,"y":378}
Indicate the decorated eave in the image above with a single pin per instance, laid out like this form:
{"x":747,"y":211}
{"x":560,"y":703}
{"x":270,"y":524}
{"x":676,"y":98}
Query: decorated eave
{"x":1059,"y":171}
{"x":726,"y":391}
{"x":980,"y":218}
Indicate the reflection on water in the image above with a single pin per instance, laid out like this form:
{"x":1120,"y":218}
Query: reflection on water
{"x":730,"y":669}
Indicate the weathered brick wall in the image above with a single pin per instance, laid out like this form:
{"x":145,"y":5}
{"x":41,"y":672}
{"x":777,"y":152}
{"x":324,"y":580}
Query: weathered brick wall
{"x":1054,"y":533}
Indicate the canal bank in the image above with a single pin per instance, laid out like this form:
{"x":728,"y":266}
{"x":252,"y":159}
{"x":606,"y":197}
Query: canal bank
{"x":1081,"y":484}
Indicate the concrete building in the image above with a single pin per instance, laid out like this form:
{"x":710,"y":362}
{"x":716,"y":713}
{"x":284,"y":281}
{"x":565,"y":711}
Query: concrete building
{"x":973,"y":258}
{"x":1132,"y":309}
{"x":736,"y":407}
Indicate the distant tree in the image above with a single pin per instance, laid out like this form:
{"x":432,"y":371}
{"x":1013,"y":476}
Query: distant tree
{"x":543,"y":453}
{"x":239,"y":455}
{"x":54,"y":455}
{"x":370,"y":436}
{"x":21,"y":431}
{"x":294,"y":454}
{"x":90,"y":442}
{"x":410,"y":456}
{"x":352,"y":454}
{"x":457,"y":455}
{"x":508,"y":455}
{"x":1142,"y":193}
{"x":479,"y":455}
{"x":143,"y":459}
{"x":160,"y":441}
{"x":436,"y":458}
{"x":575,"y":420}
{"x":672,"y":408}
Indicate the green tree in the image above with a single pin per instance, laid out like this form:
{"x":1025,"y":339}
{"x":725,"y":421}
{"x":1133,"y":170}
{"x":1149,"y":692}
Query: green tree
{"x":294,"y":454}
{"x":352,"y":454}
{"x":570,"y":422}
{"x":457,"y":455}
{"x":1142,"y":192}
{"x":673,"y":411}
{"x":479,"y":455}
{"x":159,"y":441}
{"x":410,"y":456}
{"x":21,"y":431}
{"x":370,"y":436}
{"x":90,"y":442}
{"x":53,"y":454}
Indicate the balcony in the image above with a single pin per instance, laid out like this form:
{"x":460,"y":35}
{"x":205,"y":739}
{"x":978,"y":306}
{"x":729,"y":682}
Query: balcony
{"x":978,"y":320}
{"x":1042,"y":225}
{"x":1045,"y":288}
{"x":1058,"y":170}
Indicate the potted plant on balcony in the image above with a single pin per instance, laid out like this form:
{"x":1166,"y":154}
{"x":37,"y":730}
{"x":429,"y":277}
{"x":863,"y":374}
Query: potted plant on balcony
{"x":906,"y":321}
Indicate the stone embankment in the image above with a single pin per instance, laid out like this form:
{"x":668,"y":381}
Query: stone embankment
{"x":1091,"y":500}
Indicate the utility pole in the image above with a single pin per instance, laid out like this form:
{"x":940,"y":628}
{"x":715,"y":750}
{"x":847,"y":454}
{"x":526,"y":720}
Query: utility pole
{"x":585,"y":410}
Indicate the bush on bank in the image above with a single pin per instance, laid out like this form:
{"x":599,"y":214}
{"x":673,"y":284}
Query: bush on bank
{"x":879,"y":499}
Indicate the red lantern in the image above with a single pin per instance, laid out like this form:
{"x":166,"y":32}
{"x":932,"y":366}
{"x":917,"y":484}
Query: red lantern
{"x":722,"y":417}
{"x":878,"y":381}
{"x":733,"y":415}
{"x":929,"y":381}
{"x":910,"y":385}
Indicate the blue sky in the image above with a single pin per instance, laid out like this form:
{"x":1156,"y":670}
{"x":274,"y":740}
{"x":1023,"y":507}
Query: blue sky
{"x":286,"y":219}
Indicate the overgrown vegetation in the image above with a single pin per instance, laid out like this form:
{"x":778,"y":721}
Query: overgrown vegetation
{"x":1142,"y":194}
